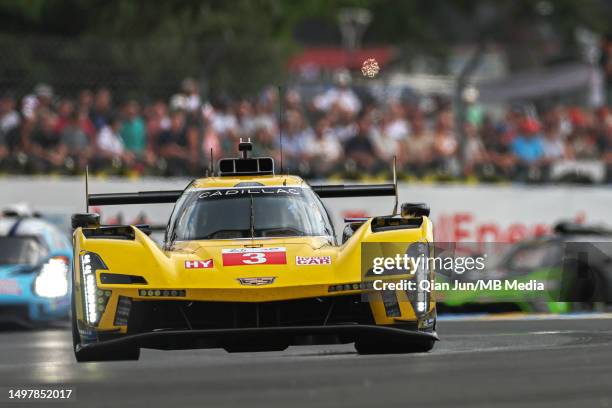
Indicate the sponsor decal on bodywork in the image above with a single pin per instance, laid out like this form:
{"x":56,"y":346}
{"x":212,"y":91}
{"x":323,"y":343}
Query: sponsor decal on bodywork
{"x":259,"y":281}
{"x":199,"y":264}
{"x":254,"y":256}
{"x":251,"y":190}
{"x":312,"y":260}
{"x":9,"y":287}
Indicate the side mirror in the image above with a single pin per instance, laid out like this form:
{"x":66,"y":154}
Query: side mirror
{"x":85,"y":220}
{"x":415,"y":210}
{"x":349,"y":229}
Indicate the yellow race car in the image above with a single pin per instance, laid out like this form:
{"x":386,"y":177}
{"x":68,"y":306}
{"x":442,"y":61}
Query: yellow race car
{"x":250,"y":262}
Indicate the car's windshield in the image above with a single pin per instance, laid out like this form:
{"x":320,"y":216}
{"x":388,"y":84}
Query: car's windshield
{"x":20,"y":251}
{"x":250,"y":212}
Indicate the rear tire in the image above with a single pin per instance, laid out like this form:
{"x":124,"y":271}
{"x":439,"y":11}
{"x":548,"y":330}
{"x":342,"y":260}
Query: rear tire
{"x":367,"y":347}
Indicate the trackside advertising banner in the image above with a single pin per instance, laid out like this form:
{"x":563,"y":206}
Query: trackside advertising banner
{"x":461,"y":213}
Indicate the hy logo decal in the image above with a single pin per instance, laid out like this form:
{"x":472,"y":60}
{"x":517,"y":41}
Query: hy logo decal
{"x":203,"y":264}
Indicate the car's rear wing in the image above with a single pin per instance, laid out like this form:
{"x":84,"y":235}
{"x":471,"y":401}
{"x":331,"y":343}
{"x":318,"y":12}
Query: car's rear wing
{"x":170,"y":196}
{"x":141,"y":197}
{"x":354,"y":190}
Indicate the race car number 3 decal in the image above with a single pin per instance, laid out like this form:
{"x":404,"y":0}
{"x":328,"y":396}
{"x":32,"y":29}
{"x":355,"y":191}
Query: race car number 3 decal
{"x":253,"y":256}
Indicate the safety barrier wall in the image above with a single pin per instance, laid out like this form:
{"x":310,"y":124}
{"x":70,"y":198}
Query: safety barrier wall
{"x":501,"y":213}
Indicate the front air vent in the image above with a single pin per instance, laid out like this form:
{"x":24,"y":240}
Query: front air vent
{"x":120,"y":279}
{"x":392,"y":307}
{"x":122,"y":315}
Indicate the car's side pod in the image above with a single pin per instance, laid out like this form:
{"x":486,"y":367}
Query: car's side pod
{"x":415,"y":210}
{"x":390,"y":223}
{"x":91,"y":228}
{"x":85,"y":220}
{"x":411,"y":217}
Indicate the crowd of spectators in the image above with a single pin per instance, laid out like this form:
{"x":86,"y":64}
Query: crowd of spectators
{"x":335,"y":133}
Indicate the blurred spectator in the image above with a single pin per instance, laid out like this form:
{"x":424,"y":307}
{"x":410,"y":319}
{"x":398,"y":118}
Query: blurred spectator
{"x":583,"y":144}
{"x":385,"y":144}
{"x":396,"y":125}
{"x":224,"y":121}
{"x":606,"y":148}
{"x":4,"y":151}
{"x":445,"y":144}
{"x":175,"y":148}
{"x":553,"y":146}
{"x":341,"y":96}
{"x":85,"y":100}
{"x":475,"y":154}
{"x":323,"y":151}
{"x":39,"y":101}
{"x":293,"y":100}
{"x":296,"y":136}
{"x":110,"y":148}
{"x":360,"y":149}
{"x":158,"y":121}
{"x":528,"y":148}
{"x":265,"y":114}
{"x":102,"y":110}
{"x":44,"y":145}
{"x":500,"y":159}
{"x":192,"y":93}
{"x":86,"y":124}
{"x":133,"y":129}
{"x":74,"y":142}
{"x":417,"y":151}
{"x":527,"y":145}
{"x":65,"y":109}
{"x":245,"y":117}
{"x":265,"y":144}
{"x":9,"y":124}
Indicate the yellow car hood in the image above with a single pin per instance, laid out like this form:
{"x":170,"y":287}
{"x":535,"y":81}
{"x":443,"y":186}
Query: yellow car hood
{"x":223,"y":264}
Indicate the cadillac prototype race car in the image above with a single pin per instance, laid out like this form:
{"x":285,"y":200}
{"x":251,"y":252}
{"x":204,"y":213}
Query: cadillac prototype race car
{"x":249,"y":262}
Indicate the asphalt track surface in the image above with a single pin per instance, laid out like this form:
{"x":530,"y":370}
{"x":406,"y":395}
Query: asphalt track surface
{"x":546,"y":362}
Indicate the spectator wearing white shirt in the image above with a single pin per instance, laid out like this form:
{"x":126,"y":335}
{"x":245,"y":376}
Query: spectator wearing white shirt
{"x":396,"y":125}
{"x":340,"y":96}
{"x":192,"y":94}
{"x":110,"y":147}
{"x":553,"y":144}
{"x":385,"y":144}
{"x":323,"y":150}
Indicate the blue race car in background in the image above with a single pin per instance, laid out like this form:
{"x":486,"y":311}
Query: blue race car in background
{"x":35,"y":271}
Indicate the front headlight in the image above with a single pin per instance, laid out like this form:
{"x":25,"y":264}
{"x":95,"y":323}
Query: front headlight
{"x":420,"y":299}
{"x":95,"y":299}
{"x":52,"y":280}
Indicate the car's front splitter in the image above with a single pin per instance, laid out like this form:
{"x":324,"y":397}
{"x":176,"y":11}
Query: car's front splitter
{"x":280,"y":336}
